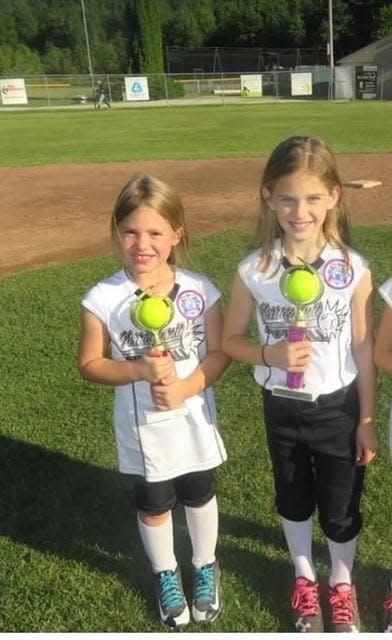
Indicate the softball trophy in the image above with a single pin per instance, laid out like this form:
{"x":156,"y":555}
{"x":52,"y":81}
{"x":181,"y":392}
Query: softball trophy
{"x":302,"y":286}
{"x":153,"y":313}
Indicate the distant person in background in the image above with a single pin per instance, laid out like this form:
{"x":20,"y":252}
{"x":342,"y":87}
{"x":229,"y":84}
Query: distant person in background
{"x":102,"y":95}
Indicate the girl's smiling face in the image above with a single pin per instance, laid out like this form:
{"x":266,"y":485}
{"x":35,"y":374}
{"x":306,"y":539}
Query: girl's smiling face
{"x":301,"y":202}
{"x":146,"y":241}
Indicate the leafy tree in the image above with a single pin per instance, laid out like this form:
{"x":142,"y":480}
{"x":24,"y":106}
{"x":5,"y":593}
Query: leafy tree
{"x":19,"y":61}
{"x":147,"y":42}
{"x":8,"y":32}
{"x":190,"y":23}
{"x":385,"y":22}
{"x":296,"y":30}
{"x":59,"y":60}
{"x":18,"y":22}
{"x":129,"y":35}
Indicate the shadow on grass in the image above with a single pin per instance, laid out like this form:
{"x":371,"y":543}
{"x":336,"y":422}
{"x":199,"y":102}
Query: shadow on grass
{"x":69,"y":508}
{"x":84,"y":513}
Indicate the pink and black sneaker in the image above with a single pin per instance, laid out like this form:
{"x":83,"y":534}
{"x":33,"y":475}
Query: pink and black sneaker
{"x":306,"y":607}
{"x":388,"y":611}
{"x":344,"y":616}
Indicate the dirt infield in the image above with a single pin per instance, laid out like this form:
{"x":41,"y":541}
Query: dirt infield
{"x":60,"y":213}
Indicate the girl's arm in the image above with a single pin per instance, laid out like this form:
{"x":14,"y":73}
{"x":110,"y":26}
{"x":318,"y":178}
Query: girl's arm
{"x":289,"y":356}
{"x":362,"y":345}
{"x":383,"y":346}
{"x":95,"y":365}
{"x":172,"y":391}
{"x":236,"y":342}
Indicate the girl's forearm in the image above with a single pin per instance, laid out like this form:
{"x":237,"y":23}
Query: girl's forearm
{"x":243,"y":349}
{"x":366,"y":380}
{"x":111,"y":372}
{"x":384,"y":361}
{"x":208,"y":372}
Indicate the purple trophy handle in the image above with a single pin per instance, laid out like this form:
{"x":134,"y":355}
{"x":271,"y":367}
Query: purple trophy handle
{"x":296,"y":380}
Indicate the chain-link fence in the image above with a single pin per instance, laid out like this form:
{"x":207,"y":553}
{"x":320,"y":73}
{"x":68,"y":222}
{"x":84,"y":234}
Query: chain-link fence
{"x":241,"y":59}
{"x":199,"y":87}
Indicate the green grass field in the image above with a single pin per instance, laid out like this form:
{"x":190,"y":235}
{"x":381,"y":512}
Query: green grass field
{"x":45,"y":137}
{"x":70,"y":557}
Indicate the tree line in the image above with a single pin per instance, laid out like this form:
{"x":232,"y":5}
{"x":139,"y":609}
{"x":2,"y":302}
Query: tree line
{"x":131,"y":36}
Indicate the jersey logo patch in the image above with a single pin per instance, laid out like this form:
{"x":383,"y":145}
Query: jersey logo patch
{"x":190,"y":304}
{"x":338,"y":274}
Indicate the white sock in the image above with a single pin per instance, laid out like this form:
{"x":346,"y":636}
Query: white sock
{"x":299,"y":541}
{"x":203,"y":531}
{"x":342,"y":560}
{"x":158,"y":544}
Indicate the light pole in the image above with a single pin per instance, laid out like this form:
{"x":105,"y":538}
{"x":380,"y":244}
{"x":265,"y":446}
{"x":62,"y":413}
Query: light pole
{"x":331,"y":56}
{"x":330,"y":20}
{"x":90,"y":67}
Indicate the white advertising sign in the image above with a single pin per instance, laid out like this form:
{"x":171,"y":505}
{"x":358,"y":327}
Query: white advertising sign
{"x":251,"y":85}
{"x":13,"y":91}
{"x":136,"y":88}
{"x":301,"y":84}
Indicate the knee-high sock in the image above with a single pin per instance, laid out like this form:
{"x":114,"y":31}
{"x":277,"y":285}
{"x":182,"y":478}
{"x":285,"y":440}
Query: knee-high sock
{"x":342,"y":556}
{"x":299,"y":541}
{"x":158,"y":544}
{"x":203,"y":531}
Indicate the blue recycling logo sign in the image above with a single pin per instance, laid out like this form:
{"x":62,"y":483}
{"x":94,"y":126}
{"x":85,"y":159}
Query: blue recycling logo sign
{"x":136,"y":88}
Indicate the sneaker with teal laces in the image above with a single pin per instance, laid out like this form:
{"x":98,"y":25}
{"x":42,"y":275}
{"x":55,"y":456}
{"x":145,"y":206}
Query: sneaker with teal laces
{"x":173,"y":607}
{"x":207,"y":597}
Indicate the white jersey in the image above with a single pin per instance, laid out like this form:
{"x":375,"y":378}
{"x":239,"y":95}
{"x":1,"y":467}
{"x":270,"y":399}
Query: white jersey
{"x":386,"y":291}
{"x":161,"y":444}
{"x":328,"y":320}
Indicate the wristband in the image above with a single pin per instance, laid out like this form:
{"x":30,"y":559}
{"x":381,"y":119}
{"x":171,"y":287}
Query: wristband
{"x":265,"y":363}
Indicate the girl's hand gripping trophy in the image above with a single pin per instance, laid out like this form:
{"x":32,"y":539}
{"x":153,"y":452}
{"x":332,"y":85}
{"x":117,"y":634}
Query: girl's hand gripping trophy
{"x":302,"y":286}
{"x":153,"y":313}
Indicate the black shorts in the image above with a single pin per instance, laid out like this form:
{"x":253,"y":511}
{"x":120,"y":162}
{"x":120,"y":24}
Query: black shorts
{"x":191,"y":490}
{"x":312,"y":448}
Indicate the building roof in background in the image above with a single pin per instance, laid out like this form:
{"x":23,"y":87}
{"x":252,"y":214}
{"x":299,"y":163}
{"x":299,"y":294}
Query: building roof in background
{"x":379,"y":53}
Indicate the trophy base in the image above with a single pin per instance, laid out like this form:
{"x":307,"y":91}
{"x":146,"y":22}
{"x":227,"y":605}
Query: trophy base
{"x":295,"y":394}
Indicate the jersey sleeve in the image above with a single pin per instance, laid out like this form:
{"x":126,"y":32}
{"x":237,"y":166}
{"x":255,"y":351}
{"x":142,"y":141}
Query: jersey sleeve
{"x":212,"y":293}
{"x":386,"y":292}
{"x":199,"y":285}
{"x":249,"y":272}
{"x":93,"y":301}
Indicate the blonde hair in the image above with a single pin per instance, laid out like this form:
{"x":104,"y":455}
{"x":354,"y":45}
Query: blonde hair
{"x":143,"y":190}
{"x":314,"y":156}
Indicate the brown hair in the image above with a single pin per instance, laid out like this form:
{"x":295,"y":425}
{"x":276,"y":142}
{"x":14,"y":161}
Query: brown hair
{"x":144,"y":190}
{"x":314,"y":156}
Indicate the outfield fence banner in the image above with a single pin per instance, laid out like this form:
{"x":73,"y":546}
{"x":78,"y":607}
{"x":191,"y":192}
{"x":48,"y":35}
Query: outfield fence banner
{"x":366,"y":82}
{"x":136,"y":88}
{"x":13,"y":91}
{"x":252,"y":85}
{"x":199,"y":88}
{"x":301,"y":84}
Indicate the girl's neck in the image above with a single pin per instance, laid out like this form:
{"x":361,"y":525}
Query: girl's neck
{"x":300,"y":253}
{"x":160,"y":281}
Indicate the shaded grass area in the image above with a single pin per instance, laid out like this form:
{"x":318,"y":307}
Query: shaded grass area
{"x":70,"y":556}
